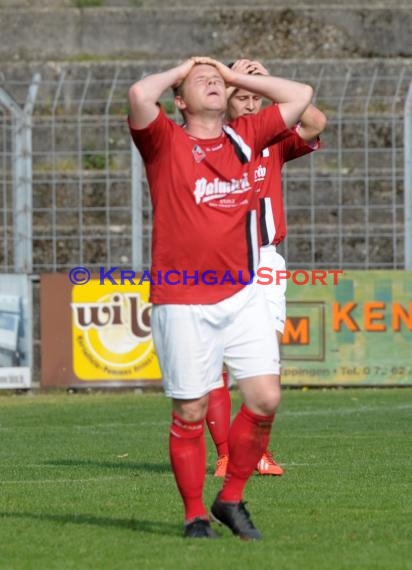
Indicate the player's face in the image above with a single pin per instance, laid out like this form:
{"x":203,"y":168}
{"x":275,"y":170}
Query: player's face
{"x":243,"y":103}
{"x":204,"y":89}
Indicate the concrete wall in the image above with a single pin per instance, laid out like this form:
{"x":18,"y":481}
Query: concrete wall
{"x":193,"y":3}
{"x":146,"y":33}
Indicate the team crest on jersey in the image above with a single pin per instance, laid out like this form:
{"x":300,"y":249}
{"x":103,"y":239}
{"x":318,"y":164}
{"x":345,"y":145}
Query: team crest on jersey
{"x":198,"y":153}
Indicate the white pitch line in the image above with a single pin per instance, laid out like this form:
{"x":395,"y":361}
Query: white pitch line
{"x":313,"y":412}
{"x":316,"y":412}
{"x":37,"y":481}
{"x":347,"y":411}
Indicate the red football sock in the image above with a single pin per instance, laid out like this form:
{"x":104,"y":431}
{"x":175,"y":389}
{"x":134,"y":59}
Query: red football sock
{"x":188,"y":458}
{"x":248,"y":438}
{"x":218,"y":416}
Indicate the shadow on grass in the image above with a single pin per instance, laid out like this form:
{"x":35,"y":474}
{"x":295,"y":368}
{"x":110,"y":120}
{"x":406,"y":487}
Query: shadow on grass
{"x":121,"y":464}
{"x":143,"y":526}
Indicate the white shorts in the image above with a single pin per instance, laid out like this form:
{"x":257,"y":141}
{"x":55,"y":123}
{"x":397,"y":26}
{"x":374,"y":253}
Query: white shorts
{"x":274,"y":294}
{"x":194,"y":341}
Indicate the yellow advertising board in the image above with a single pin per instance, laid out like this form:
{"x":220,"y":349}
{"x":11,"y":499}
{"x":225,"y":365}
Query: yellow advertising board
{"x":111,"y":334}
{"x":96,"y":334}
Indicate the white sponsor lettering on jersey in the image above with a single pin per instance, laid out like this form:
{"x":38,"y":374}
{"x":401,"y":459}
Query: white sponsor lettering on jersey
{"x":205,"y":191}
{"x":260,"y":173}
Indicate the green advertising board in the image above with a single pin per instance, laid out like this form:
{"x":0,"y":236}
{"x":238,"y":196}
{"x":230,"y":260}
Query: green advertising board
{"x":352,"y":328}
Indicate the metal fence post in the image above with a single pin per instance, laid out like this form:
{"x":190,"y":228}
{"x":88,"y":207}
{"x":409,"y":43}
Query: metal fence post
{"x":408,"y":178}
{"x":22,"y":176}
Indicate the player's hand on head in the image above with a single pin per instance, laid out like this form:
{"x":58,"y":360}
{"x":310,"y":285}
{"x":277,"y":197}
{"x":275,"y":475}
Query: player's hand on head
{"x":249,"y":67}
{"x":206,"y":60}
{"x":241,"y":66}
{"x":223,"y":69}
{"x":183,"y":70}
{"x":257,"y":68}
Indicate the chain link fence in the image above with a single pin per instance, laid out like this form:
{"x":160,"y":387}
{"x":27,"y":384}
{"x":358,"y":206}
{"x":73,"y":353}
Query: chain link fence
{"x":73,"y":193}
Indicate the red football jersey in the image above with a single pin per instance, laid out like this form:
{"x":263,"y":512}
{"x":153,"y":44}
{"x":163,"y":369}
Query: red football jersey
{"x":268,"y":184}
{"x":204,"y":240}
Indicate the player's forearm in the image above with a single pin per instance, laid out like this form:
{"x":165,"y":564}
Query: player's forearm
{"x":145,"y":94}
{"x":150,"y":88}
{"x":275,"y":88}
{"x":312,"y":123}
{"x":293,"y":97}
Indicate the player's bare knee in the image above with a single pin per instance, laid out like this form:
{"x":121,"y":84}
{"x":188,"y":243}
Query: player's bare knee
{"x":191,"y":410}
{"x":269,"y":399}
{"x":264,"y":403}
{"x":269,"y":403}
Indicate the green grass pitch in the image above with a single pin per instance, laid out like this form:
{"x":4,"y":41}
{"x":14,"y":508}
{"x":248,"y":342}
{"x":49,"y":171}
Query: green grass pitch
{"x":85,"y":483}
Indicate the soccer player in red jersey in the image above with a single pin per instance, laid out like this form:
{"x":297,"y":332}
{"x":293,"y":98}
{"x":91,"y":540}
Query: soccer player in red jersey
{"x":206,"y":311}
{"x":302,"y":139}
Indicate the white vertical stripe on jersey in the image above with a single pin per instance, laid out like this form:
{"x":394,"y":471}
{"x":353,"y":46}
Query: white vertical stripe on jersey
{"x":254,"y":239}
{"x":269,"y":220}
